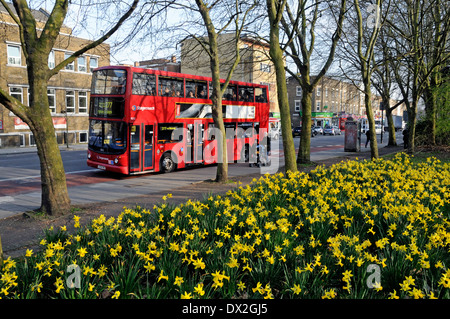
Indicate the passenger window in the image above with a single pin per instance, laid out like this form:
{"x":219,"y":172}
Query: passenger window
{"x":246,"y":94}
{"x":144,"y":84}
{"x":261,"y":95}
{"x":196,"y":89}
{"x":230,"y":93}
{"x":170,"y":87}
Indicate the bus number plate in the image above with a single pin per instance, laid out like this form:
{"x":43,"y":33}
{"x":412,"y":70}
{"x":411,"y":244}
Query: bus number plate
{"x":101,"y":167}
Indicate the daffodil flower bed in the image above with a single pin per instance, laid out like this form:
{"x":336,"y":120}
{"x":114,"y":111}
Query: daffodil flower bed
{"x":359,"y":229}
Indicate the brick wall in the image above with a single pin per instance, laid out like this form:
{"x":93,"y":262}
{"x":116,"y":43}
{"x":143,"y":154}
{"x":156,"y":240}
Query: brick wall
{"x":69,"y":85}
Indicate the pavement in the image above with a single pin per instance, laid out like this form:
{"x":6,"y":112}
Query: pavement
{"x":18,"y":230}
{"x":120,"y":187}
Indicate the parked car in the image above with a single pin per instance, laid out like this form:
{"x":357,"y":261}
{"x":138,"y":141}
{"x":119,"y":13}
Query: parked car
{"x":337,"y":130}
{"x":330,"y":130}
{"x":297,"y":131}
{"x":318,"y":129}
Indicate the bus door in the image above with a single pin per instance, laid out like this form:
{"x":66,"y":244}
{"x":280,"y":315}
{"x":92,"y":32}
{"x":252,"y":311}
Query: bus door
{"x":198,"y":141}
{"x":230,"y":131}
{"x":141,"y":148}
{"x":189,"y":154}
{"x":194,"y":143}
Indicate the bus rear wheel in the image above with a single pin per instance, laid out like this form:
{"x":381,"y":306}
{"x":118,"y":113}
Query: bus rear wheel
{"x":167,"y":164}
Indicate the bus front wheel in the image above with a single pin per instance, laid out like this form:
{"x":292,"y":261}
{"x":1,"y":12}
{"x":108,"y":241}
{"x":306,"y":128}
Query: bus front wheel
{"x":167,"y":163}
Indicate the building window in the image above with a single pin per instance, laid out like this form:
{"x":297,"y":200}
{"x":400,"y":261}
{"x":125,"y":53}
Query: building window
{"x":297,"y":105}
{"x":82,"y":102}
{"x":93,"y":64}
{"x":70,"y":102}
{"x":326,"y":92}
{"x":32,"y":140}
{"x":82,"y":64}
{"x":70,"y":66}
{"x":318,"y":106}
{"x":263,"y":67}
{"x":83,"y":137}
{"x":14,"y":55}
{"x":17,"y":93}
{"x":298,"y":90}
{"x":51,"y":60}
{"x":318,"y":91}
{"x":51,"y":100}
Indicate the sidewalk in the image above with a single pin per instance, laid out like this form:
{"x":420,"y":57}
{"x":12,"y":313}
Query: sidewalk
{"x":18,"y":231}
{"x":120,"y":188}
{"x":33,"y":149}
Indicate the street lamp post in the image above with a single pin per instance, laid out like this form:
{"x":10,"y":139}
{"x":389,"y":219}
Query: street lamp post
{"x":67,"y":126}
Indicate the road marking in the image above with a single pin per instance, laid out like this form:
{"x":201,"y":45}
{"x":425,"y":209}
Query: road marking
{"x":6,"y":199}
{"x":38,"y":176}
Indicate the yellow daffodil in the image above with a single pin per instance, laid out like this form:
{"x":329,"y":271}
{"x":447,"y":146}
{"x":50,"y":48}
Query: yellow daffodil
{"x":296,"y":289}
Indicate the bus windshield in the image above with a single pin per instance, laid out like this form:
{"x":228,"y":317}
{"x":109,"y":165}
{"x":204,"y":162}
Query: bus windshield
{"x":107,"y":137}
{"x":109,"y":81}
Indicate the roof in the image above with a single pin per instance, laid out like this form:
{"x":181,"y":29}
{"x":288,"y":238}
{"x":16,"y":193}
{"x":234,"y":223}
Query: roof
{"x":40,"y":15}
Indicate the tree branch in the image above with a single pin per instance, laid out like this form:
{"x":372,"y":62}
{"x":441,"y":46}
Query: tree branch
{"x":94,"y":44}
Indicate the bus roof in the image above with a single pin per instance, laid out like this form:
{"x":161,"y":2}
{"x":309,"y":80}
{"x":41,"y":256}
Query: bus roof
{"x":176,"y":74}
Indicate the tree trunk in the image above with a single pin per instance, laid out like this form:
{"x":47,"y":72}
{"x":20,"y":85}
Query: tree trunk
{"x":55,"y":197}
{"x":222,"y":165}
{"x":391,"y":128}
{"x":412,"y":119}
{"x":371,"y":120}
{"x":288,"y":141}
{"x":304,"y":153}
{"x":275,"y":10}
{"x":430,"y":114}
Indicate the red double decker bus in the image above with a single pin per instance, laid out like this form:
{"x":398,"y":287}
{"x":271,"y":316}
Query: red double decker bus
{"x":143,"y":120}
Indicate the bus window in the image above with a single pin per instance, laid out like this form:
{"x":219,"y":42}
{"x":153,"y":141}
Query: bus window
{"x":144,"y":84}
{"x":210,"y":89}
{"x":107,"y":137}
{"x":246,"y":94}
{"x":172,"y":87}
{"x":230,"y":93}
{"x":244,"y":130}
{"x":109,"y":82}
{"x":196,"y":89}
{"x":261,"y":95}
{"x":170,"y":132}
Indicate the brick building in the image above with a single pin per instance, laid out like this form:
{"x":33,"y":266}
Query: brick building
{"x":170,"y":65}
{"x":254,"y":66}
{"x":68,"y":91}
{"x":331,"y":99}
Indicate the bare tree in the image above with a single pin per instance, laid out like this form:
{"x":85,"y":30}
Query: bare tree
{"x":434,"y":39}
{"x":212,"y":48}
{"x":420,"y":31}
{"x":275,"y":10}
{"x":36,"y":47}
{"x":383,"y":80}
{"x":365,"y":51}
{"x":301,"y":31}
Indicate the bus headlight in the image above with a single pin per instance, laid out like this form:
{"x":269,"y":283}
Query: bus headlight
{"x":116,"y":160}
{"x":89,"y":155}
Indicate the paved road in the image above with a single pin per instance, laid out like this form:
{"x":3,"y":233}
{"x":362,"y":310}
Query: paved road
{"x":20,"y":179}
